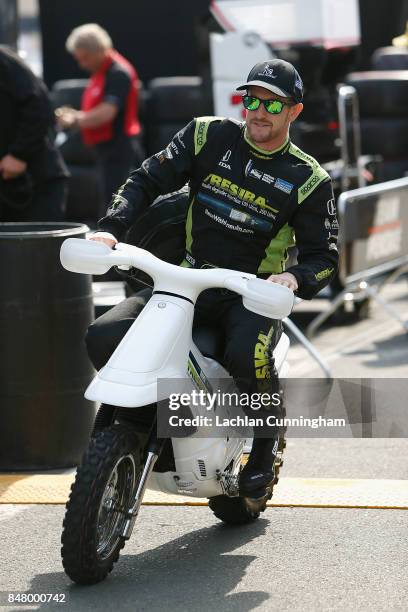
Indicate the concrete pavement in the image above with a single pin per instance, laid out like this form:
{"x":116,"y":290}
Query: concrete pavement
{"x":184,"y":559}
{"x":294,"y":559}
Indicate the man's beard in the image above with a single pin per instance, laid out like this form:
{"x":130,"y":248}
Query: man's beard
{"x":261,"y":134}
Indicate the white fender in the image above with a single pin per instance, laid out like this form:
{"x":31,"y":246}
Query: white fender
{"x":155,"y":347}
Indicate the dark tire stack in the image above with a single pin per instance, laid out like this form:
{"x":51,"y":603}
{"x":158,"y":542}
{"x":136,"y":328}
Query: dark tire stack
{"x":85,"y":198}
{"x":383,"y":97}
{"x":172,"y":103}
{"x":316,"y":139}
{"x":390,"y":58}
{"x":85,"y":193}
{"x":316,"y":130}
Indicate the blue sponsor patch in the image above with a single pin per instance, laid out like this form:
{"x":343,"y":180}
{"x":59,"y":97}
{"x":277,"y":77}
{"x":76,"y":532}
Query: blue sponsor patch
{"x":227,"y":211}
{"x":283,"y":185}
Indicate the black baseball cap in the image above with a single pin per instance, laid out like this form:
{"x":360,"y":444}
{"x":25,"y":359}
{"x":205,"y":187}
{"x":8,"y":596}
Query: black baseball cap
{"x":278,"y":76}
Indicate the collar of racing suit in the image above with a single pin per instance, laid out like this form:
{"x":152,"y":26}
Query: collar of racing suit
{"x":263,"y":152}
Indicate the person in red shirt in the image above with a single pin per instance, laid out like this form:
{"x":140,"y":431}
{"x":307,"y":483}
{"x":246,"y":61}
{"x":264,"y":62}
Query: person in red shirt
{"x":108,"y":118}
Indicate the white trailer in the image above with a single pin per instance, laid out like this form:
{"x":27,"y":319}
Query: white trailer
{"x":254,"y":27}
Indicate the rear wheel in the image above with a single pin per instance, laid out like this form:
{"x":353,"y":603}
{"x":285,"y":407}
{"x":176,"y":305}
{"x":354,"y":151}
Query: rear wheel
{"x":237,"y":510}
{"x":97,"y":506}
{"x":243,"y":510}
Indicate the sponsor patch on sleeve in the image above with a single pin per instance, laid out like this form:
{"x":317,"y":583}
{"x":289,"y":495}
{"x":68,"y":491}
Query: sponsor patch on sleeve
{"x":324,"y":274}
{"x":283,"y":185}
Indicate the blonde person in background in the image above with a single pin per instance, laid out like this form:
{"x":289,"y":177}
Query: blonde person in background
{"x":108,"y":119}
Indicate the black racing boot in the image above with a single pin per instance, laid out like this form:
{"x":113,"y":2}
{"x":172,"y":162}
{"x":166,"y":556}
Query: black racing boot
{"x":259,"y":470}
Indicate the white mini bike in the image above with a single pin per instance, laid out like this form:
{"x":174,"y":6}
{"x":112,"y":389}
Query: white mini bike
{"x":125,"y":456}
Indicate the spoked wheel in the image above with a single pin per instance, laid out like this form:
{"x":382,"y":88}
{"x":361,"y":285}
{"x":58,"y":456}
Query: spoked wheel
{"x":113,"y":506}
{"x":97,"y":506}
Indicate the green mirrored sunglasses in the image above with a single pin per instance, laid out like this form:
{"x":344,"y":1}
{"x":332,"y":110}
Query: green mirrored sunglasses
{"x":271,"y":106}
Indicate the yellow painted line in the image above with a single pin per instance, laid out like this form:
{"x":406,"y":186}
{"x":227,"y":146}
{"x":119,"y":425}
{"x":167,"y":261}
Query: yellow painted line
{"x":290,"y":492}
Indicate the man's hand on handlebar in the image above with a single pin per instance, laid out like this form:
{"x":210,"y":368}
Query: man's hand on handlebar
{"x":286,"y":279}
{"x":105,"y":237}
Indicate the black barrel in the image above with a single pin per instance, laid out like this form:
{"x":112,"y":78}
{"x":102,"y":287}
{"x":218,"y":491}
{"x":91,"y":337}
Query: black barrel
{"x":45,"y":310}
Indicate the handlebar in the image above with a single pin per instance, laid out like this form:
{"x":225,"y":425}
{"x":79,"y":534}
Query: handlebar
{"x":261,"y":296}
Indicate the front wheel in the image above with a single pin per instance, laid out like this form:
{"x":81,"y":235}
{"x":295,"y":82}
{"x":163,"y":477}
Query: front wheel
{"x":97,"y":506}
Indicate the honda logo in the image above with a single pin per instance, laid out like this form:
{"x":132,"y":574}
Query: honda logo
{"x":331,"y":207}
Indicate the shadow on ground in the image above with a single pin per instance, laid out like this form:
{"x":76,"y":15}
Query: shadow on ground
{"x":388,"y":353}
{"x":194,"y":572}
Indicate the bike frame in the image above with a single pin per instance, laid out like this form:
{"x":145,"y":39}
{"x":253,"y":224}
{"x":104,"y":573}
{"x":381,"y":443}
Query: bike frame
{"x":159,"y":346}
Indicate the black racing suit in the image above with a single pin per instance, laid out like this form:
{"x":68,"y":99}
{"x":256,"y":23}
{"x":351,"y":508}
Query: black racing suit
{"x":243,"y":215}
{"x":246,"y":211}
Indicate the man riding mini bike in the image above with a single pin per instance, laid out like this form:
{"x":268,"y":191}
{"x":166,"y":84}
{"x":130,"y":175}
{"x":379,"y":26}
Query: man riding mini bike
{"x":252,"y":193}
